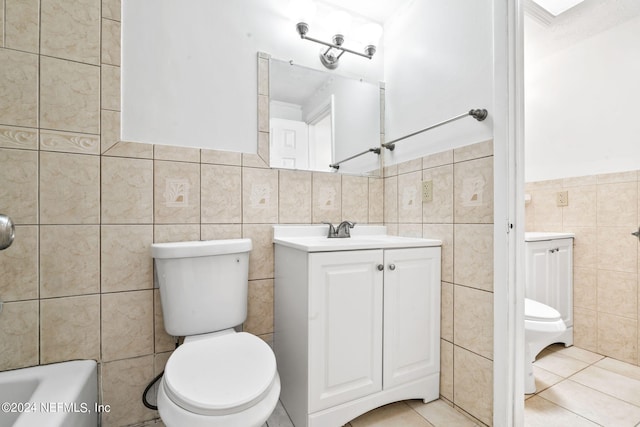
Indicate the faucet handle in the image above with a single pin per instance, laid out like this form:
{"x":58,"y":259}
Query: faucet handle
{"x":332,"y":229}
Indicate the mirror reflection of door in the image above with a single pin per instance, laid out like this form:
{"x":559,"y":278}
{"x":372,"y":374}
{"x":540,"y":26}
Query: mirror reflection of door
{"x":321,"y":135}
{"x":300,"y":139}
{"x":289,"y":144}
{"x":337,"y":116}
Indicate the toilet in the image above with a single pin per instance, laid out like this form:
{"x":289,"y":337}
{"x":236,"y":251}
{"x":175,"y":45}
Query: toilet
{"x":217,"y":377}
{"x":543,"y":325}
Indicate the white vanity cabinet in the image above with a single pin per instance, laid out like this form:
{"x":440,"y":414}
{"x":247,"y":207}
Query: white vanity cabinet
{"x":549,"y":274}
{"x":355,"y":329}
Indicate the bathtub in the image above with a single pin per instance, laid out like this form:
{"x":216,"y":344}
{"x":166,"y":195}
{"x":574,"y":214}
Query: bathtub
{"x":58,"y":395}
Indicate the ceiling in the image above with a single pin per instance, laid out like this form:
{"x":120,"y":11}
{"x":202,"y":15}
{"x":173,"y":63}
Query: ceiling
{"x":543,"y":38}
{"x":376,"y":10}
{"x":301,"y":82}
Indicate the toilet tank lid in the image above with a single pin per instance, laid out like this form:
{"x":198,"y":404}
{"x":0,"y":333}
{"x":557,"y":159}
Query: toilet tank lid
{"x":200,"y":248}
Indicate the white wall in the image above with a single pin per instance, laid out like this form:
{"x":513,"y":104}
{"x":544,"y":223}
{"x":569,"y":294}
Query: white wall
{"x":438,"y":64}
{"x":189,"y":68}
{"x":581,"y":108}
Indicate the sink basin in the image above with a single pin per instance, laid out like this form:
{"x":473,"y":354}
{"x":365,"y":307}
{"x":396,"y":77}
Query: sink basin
{"x":313,"y":238}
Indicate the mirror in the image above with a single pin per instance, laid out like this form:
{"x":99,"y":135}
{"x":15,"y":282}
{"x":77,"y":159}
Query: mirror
{"x":318,"y":119}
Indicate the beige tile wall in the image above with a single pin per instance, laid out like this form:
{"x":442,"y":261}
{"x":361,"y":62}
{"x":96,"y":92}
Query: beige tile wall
{"x":461,"y":215}
{"x":78,"y":281}
{"x":603,"y":211}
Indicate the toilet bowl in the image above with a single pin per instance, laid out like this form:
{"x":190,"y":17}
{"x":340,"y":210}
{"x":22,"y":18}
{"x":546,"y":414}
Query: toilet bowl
{"x":218,"y":377}
{"x":543,"y":325}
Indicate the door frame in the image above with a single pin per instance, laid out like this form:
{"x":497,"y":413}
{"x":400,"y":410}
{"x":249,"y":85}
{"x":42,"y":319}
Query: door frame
{"x":508,"y":116}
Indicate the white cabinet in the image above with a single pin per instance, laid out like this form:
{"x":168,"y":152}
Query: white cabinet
{"x":549,"y":278}
{"x":355,"y":330}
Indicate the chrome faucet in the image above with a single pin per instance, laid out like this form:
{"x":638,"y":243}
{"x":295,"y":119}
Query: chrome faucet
{"x":342,"y":231}
{"x":343,"y":228}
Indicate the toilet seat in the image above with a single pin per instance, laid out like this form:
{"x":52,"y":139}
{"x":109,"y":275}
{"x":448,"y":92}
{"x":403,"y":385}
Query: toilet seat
{"x":536,"y":311}
{"x":220,"y":375}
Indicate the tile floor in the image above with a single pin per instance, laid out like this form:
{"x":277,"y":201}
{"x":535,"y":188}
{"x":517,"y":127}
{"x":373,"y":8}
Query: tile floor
{"x":409,"y":413}
{"x":576,"y":387}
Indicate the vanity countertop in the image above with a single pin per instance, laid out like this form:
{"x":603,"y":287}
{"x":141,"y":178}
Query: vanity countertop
{"x":537,"y":236}
{"x":313,"y":238}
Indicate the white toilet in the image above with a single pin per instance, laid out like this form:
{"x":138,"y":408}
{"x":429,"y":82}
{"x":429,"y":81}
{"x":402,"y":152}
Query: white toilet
{"x":217,"y":377}
{"x":543,"y":325}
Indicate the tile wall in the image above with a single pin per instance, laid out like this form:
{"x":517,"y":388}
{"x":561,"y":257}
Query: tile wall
{"x":461,"y":215}
{"x":603,"y":211}
{"x":77,"y":283}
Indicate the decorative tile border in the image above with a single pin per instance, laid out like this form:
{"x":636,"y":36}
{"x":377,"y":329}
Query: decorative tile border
{"x":69,"y":142}
{"x":17,"y":137}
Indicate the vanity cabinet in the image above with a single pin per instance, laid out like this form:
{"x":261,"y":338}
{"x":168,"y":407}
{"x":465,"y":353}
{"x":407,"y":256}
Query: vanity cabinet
{"x":549,"y":276}
{"x":355,"y":330}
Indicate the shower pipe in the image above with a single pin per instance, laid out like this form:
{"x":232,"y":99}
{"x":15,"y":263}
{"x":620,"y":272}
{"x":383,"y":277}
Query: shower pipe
{"x":479,"y":115}
{"x":336,"y":165}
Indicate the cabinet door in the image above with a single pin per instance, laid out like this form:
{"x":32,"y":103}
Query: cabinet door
{"x":538,"y":271}
{"x":345,"y":326}
{"x":411,"y":314}
{"x":549,"y":275}
{"x":561,"y":278}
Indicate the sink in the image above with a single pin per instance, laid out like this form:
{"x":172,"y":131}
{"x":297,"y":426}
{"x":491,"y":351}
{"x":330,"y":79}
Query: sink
{"x":313,"y":238}
{"x":536,"y":236}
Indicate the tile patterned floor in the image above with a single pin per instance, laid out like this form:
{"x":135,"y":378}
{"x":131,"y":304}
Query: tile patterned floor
{"x":576,"y":387}
{"x":409,"y":413}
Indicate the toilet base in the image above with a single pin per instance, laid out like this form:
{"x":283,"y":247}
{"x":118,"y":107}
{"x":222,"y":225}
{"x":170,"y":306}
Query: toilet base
{"x":565,"y":338}
{"x":535,"y":348}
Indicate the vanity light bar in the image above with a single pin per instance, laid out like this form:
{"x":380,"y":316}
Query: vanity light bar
{"x":328,"y":58}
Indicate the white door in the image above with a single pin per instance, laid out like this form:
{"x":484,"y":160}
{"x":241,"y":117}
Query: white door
{"x":411,"y":314}
{"x":345,"y":326}
{"x":289,"y":147}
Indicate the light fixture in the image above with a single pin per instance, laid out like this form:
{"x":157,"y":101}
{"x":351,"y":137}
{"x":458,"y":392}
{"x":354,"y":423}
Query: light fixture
{"x":556,"y":7}
{"x":370,"y":34}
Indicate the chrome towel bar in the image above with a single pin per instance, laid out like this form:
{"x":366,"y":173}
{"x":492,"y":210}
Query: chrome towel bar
{"x":336,"y":165}
{"x":478,"y":114}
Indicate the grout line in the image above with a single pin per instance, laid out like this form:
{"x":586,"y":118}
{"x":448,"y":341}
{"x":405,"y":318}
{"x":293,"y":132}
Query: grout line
{"x":566,"y":409}
{"x":39,"y":216}
{"x":100,"y":125}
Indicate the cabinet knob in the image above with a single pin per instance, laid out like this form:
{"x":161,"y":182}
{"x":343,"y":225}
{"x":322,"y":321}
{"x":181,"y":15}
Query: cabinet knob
{"x":392,"y":267}
{"x":380,"y":267}
{"x":554,"y":250}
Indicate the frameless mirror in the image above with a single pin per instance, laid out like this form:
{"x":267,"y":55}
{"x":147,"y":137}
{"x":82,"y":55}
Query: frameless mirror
{"x":320,"y":119}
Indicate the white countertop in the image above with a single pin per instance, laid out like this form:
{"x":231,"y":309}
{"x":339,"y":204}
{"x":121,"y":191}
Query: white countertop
{"x":537,"y":236}
{"x":313,"y":238}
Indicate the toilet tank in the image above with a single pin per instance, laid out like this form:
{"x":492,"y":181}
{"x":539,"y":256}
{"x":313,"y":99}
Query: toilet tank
{"x":203,"y":285}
